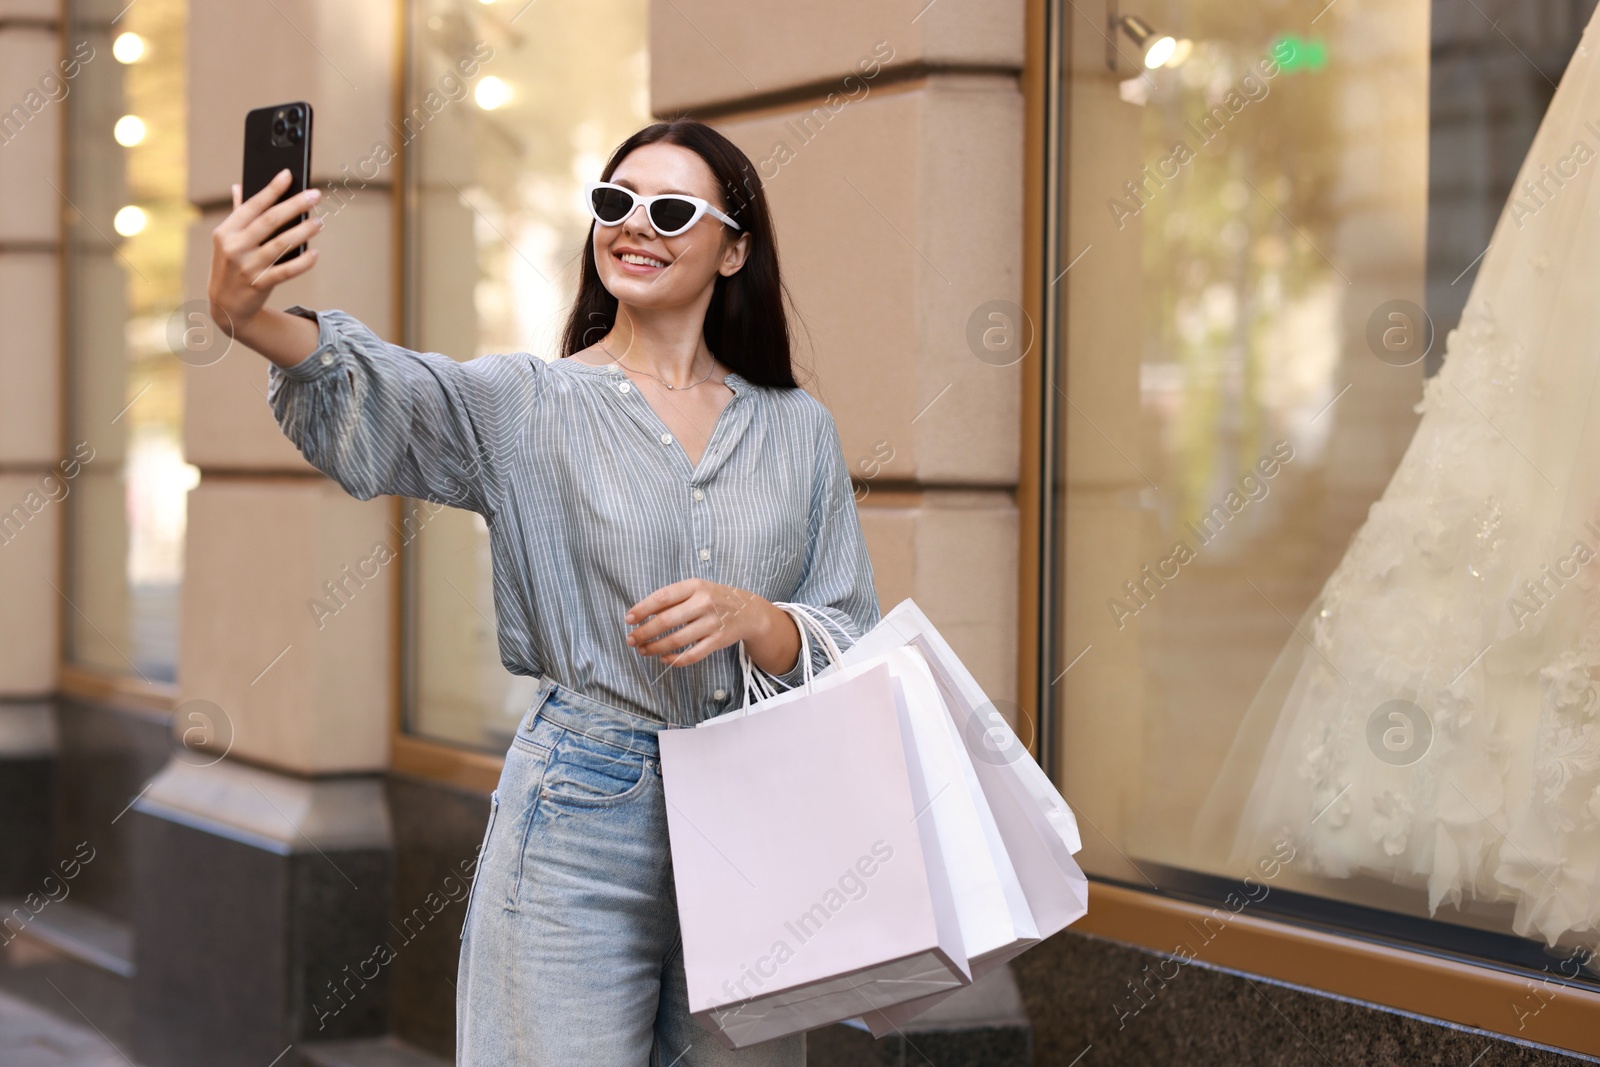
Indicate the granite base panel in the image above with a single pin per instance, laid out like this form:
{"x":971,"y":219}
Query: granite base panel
{"x":1076,"y":991}
{"x":27,"y":811}
{"x":436,"y":829}
{"x":242,"y":951}
{"x":105,"y":758}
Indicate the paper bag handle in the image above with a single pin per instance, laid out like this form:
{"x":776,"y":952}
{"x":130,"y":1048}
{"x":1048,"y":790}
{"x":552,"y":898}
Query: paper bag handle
{"x":758,"y":685}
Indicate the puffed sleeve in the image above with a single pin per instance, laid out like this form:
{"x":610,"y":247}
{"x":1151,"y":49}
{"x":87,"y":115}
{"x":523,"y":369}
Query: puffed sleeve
{"x":836,"y":579}
{"x":378,"y":418}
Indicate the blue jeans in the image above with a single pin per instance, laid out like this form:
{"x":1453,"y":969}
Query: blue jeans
{"x":570,"y":952}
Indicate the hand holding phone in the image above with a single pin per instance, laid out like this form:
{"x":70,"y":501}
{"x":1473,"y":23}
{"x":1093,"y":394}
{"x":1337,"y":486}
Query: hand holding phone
{"x":247,"y":248}
{"x":262,"y":243}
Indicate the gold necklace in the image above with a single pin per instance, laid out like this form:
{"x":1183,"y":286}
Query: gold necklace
{"x":665,"y":385}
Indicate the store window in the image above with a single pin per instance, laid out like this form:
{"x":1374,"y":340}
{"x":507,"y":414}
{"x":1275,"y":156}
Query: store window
{"x":513,"y":106}
{"x":126,"y":218}
{"x":1269,"y":236}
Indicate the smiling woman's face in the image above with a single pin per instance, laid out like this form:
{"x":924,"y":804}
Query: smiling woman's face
{"x":645,"y":270}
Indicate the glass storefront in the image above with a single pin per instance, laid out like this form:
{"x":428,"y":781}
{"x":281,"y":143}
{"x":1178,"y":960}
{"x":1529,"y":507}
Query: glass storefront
{"x":1257,"y":233}
{"x":127,"y":214}
{"x":513,"y":106}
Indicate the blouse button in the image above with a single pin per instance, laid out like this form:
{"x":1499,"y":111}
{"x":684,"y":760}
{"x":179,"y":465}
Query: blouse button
{"x":666,"y":438}
{"x":719,"y":694}
{"x":699,"y":494}
{"x":327,"y":359}
{"x":705,"y":553}
{"x":624,"y":387}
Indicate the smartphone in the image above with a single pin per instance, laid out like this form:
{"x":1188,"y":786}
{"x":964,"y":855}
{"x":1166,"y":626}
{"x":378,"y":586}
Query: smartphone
{"x":274,"y":138}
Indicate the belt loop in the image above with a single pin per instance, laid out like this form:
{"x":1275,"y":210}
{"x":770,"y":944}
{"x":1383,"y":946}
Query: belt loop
{"x":531,"y":716}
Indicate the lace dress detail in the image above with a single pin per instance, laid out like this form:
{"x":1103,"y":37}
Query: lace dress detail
{"x":1436,"y":720}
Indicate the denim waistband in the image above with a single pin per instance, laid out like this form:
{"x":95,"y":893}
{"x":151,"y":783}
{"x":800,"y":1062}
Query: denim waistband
{"x":596,"y":719}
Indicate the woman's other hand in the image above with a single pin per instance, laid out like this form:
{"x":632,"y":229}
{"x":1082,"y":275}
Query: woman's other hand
{"x":708,"y":616}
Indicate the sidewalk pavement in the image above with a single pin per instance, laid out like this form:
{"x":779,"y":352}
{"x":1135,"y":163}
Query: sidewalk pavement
{"x":32,"y":1037}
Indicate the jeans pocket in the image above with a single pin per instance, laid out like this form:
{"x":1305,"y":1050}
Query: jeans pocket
{"x":477,"y":869}
{"x":593,"y":775}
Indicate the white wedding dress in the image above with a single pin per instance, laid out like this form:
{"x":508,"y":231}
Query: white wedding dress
{"x":1492,"y":791}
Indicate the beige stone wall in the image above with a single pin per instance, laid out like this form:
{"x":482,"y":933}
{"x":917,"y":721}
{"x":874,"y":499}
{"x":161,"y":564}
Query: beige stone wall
{"x":30,"y":352}
{"x":898,"y":201}
{"x":302,"y":693}
{"x":889,"y":138}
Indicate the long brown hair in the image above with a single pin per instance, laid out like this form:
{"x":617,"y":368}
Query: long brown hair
{"x":746,"y":327}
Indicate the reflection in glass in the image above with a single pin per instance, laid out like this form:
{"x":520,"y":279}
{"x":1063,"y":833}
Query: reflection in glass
{"x":126,"y":225}
{"x":1248,"y":217}
{"x":496,"y":164}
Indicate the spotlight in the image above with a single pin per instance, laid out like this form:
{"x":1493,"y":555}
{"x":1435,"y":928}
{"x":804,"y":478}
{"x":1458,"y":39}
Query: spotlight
{"x":1155,"y":49}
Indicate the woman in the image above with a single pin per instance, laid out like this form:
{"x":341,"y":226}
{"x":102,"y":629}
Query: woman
{"x":649,"y":497}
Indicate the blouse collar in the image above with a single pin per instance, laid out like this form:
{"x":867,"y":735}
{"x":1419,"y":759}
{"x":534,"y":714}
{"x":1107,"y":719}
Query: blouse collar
{"x":736,"y":382}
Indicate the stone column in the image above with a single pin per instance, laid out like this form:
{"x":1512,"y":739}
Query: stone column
{"x":31,"y":489}
{"x":890,"y":145}
{"x":264,"y":871}
{"x":890,"y":142}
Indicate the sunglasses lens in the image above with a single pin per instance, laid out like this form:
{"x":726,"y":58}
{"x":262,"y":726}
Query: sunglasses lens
{"x":612,"y":205}
{"x":671,"y":214}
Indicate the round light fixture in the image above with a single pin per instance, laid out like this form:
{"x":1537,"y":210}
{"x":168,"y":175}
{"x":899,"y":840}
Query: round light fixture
{"x":491,"y":93}
{"x":130,"y":220}
{"x":129,"y":130}
{"x":128,"y":48}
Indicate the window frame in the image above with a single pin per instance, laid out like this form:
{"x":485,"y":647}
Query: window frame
{"x":121,"y":691}
{"x":409,"y":753}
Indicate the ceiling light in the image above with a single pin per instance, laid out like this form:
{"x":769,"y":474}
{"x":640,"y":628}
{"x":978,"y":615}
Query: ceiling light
{"x":128,"y":48}
{"x":491,"y":93}
{"x":130,"y":220}
{"x":129,"y":130}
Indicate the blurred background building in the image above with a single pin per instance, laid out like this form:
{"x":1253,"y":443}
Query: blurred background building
{"x":248,"y":725}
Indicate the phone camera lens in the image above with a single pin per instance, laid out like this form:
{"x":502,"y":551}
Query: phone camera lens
{"x":295,"y":135}
{"x":279,"y":126}
{"x":295,"y":113}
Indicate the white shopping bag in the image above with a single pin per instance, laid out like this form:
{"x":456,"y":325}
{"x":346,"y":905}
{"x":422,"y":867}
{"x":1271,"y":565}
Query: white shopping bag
{"x":991,"y":907}
{"x":982,"y":724}
{"x":808,"y":889}
{"x":1038,"y":828}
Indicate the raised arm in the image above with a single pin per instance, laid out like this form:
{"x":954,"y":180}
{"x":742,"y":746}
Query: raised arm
{"x":378,"y":418}
{"x":375,"y":417}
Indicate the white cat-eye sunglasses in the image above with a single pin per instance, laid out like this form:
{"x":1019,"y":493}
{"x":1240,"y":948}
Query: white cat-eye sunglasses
{"x":670,"y":213}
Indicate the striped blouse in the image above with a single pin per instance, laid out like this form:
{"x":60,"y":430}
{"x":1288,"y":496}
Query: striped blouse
{"x":591,"y":503}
